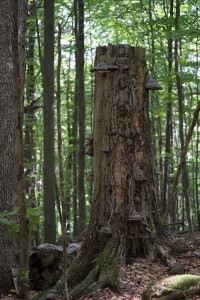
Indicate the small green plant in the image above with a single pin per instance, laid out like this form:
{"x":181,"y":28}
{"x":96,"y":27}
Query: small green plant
{"x":35,"y":216}
{"x":9,"y":219}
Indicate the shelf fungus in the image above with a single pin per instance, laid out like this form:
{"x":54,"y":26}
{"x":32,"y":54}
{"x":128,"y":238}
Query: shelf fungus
{"x":157,"y":172}
{"x":88,"y":139}
{"x":90,"y":175}
{"x":135,"y":216}
{"x":137,"y":199}
{"x":104,"y":68}
{"x":152,"y":84}
{"x":89,"y":145}
{"x":106,"y":150}
{"x":105,"y":230}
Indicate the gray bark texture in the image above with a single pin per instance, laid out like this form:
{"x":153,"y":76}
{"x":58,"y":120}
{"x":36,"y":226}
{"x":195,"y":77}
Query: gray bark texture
{"x":8,"y":175}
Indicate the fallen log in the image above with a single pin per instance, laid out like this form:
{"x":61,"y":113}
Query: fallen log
{"x":45,"y":264}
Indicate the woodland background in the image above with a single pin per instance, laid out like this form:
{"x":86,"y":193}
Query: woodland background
{"x":61,"y":38}
{"x":169,"y":30}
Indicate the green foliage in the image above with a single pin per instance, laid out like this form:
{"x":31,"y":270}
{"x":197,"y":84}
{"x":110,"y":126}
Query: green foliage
{"x":8,"y":219}
{"x":144,"y":23}
{"x":35,"y":217}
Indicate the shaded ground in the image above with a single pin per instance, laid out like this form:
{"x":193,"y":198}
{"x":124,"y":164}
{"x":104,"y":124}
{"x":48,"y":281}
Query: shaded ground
{"x":141,"y":272}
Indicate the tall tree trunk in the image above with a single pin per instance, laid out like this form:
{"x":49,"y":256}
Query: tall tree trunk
{"x":8,"y":171}
{"x":29,"y":114}
{"x":81,"y":106}
{"x":48,"y":115}
{"x":61,"y":174}
{"x":156,"y":126}
{"x":185,"y":176}
{"x":124,"y":218}
{"x":74,"y":133}
{"x":69,"y":158}
{"x":168,"y":141}
{"x":19,"y":11}
{"x":29,"y":153}
{"x":198,"y":123}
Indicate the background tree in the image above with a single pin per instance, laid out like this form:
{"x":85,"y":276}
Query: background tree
{"x":48,"y":119}
{"x":185,"y":177}
{"x":81,"y":106}
{"x":19,"y":13}
{"x":61,"y":173}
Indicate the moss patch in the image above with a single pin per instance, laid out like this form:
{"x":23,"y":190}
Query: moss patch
{"x":109,"y":269}
{"x":167,"y":285}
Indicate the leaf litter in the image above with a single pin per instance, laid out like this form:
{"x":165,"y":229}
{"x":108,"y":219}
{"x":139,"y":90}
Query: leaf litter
{"x":142,"y":272}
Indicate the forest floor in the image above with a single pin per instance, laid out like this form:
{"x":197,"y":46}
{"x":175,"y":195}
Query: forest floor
{"x":142,"y":272}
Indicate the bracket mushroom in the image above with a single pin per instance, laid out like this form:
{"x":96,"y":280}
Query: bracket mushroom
{"x":152,"y":84}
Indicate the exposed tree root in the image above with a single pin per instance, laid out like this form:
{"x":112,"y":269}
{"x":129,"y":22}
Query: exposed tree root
{"x":182,"y":294}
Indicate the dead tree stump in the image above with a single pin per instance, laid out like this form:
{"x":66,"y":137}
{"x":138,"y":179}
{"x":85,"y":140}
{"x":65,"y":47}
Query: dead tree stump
{"x":124,"y":217}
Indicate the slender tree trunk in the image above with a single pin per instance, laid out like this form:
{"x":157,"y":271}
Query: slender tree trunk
{"x":69,"y":159}
{"x":74,"y":136}
{"x":81,"y":106}
{"x":168,"y":141}
{"x":198,"y":123}
{"x":182,"y":162}
{"x":38,"y":37}
{"x":29,"y":143}
{"x":61,"y":174}
{"x":155,"y":121}
{"x":185,"y":176}
{"x":19,"y":11}
{"x":48,"y":116}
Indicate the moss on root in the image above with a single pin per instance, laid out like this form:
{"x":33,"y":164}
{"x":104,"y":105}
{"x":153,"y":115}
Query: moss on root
{"x":109,"y":270}
{"x":167,"y":285}
{"x":105,"y":273}
{"x":88,"y":285}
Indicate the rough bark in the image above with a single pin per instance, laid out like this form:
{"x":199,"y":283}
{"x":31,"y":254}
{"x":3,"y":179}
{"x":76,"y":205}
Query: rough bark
{"x":19,"y":13}
{"x":8,"y":182}
{"x":124,"y":218}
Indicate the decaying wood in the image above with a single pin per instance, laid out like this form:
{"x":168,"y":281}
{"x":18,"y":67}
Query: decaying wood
{"x":125,"y":218}
{"x":46,"y":264}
